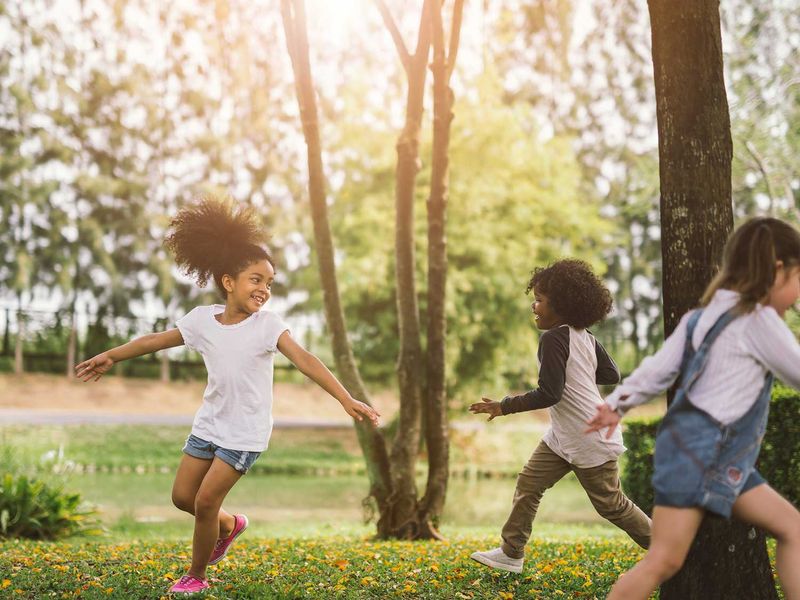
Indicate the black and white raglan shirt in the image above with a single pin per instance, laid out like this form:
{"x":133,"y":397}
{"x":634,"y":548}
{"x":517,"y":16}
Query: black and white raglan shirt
{"x":571,"y":365}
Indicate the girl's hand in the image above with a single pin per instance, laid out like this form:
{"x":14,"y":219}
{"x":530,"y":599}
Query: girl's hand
{"x":359,"y":410}
{"x":488,"y":406}
{"x":605,"y":417}
{"x":94,"y":367}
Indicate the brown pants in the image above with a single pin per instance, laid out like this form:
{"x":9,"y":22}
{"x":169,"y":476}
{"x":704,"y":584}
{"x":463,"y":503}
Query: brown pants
{"x":601,"y":483}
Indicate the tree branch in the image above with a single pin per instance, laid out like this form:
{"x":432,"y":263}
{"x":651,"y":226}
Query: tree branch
{"x":397,"y":38}
{"x":455,"y":35}
{"x":763,"y":169}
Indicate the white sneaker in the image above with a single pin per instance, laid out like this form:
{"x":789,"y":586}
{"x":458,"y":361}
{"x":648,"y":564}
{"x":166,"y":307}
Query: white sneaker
{"x":497,"y":559}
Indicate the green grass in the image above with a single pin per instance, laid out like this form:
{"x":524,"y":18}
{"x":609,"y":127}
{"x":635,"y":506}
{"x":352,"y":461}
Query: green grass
{"x":158,"y":448}
{"x":330,"y":567}
{"x":498,"y":450}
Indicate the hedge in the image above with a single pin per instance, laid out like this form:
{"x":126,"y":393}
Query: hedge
{"x":779,"y":461}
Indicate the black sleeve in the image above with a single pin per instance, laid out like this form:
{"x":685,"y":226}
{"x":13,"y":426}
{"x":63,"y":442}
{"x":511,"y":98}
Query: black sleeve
{"x":607,"y":371}
{"x":553,"y":354}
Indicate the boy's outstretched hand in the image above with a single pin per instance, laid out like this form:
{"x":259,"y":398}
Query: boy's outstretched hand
{"x":605,"y":417}
{"x":95,"y":367}
{"x":488,"y":406}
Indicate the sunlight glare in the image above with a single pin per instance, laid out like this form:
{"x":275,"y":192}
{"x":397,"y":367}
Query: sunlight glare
{"x":337,"y":17}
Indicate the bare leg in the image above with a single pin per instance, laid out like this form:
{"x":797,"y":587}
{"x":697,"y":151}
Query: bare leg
{"x":215,"y":486}
{"x":765,"y":508}
{"x":672,"y":535}
{"x":191,"y":472}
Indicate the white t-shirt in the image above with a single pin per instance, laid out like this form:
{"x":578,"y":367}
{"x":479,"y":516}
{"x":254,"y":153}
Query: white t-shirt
{"x":237,"y":404}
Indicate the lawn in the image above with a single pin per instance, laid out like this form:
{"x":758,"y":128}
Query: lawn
{"x":307,"y":538}
{"x":319,"y":567}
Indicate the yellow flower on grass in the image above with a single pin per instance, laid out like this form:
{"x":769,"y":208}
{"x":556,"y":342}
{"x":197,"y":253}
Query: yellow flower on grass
{"x":506,"y":595}
{"x":6,"y":583}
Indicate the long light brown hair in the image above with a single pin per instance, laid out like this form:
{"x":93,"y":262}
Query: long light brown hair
{"x":750,"y":257}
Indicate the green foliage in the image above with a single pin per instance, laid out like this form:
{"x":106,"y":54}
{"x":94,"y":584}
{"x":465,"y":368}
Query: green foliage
{"x":33,"y":508}
{"x":779,"y":461}
{"x":514,"y":204}
{"x":640,"y":439}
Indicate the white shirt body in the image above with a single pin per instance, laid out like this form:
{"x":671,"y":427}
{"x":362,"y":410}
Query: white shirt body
{"x":578,"y":404}
{"x":236,"y":413}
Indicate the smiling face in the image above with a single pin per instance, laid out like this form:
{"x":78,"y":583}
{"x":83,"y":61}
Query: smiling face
{"x":250,"y":289}
{"x":545,"y":316}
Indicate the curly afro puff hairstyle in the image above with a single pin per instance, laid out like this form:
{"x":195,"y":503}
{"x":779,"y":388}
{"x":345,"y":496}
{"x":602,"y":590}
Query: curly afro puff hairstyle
{"x":213,"y":237}
{"x":575,"y":293}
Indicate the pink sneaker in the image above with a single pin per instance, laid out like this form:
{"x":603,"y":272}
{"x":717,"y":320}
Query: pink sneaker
{"x":189,"y":584}
{"x":224,"y":544}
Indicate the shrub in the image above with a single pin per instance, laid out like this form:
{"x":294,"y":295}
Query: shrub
{"x":32,"y":508}
{"x":640,"y":439}
{"x":779,"y":461}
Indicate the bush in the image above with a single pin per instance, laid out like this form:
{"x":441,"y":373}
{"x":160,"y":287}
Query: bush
{"x":32,"y":508}
{"x":779,"y":461}
{"x":640,"y":439}
{"x":37,"y":508}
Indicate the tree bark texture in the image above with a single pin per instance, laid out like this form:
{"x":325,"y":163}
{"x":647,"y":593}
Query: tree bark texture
{"x":405,"y":507}
{"x":371,"y":440}
{"x":694,"y":147}
{"x":727,"y":559}
{"x":435,"y":398}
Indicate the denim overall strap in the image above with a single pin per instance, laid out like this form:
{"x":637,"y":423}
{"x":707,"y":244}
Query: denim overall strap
{"x":694,"y":360}
{"x":699,"y":461}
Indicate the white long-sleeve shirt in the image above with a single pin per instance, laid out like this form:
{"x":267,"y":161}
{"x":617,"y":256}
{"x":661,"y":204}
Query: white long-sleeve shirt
{"x":749,"y":347}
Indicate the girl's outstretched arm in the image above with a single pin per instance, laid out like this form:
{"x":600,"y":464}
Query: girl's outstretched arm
{"x":313,"y":368}
{"x":95,"y":367}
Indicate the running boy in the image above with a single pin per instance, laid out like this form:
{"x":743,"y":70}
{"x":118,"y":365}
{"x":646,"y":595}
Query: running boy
{"x":568,"y":298}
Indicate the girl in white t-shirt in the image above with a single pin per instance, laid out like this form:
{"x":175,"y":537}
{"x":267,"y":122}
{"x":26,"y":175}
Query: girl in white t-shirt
{"x":237,"y":340}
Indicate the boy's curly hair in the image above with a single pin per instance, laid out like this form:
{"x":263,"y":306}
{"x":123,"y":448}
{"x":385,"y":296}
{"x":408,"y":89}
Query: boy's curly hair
{"x":213,"y":237}
{"x":575,"y":293}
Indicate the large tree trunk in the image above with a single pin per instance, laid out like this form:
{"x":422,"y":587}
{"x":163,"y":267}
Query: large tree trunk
{"x":727,"y":560}
{"x":370,"y":439}
{"x":435,"y":406}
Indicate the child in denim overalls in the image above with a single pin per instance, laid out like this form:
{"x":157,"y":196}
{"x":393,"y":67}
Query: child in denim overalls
{"x":237,"y":340}
{"x":725,"y":354}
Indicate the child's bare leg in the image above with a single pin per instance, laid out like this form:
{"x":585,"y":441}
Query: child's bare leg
{"x":765,"y":508}
{"x":191,"y":472}
{"x":215,"y":486}
{"x":672,"y":535}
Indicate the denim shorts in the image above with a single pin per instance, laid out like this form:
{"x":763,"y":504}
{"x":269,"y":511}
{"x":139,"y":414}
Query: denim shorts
{"x":694,"y":468}
{"x":241,"y":460}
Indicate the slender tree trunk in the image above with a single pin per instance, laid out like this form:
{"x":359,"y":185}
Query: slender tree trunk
{"x":19,"y":367}
{"x":71,"y":345}
{"x":405,"y":516}
{"x":727,"y":559}
{"x":7,"y":334}
{"x":370,"y":439}
{"x":435,"y":407}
